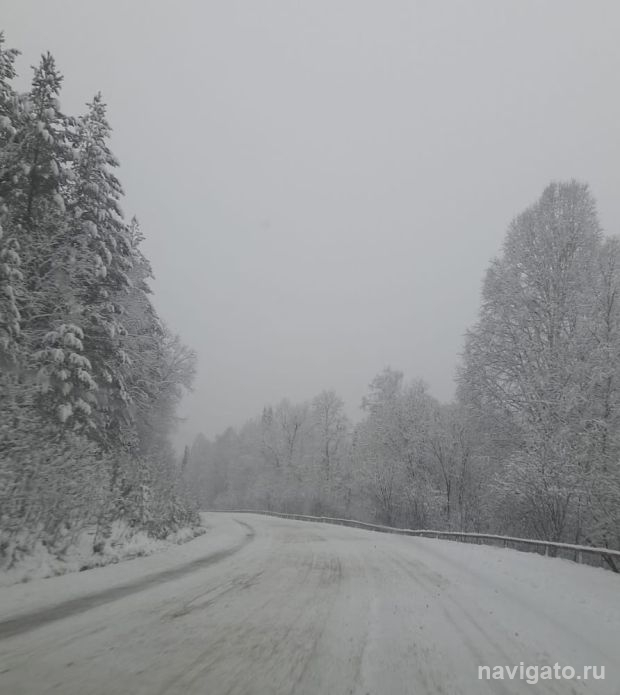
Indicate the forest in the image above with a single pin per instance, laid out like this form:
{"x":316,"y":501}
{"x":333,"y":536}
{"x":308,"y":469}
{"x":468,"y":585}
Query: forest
{"x":90,"y":377}
{"x":530,"y":446}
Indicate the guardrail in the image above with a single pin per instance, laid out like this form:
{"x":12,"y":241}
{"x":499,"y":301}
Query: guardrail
{"x":605,"y":556}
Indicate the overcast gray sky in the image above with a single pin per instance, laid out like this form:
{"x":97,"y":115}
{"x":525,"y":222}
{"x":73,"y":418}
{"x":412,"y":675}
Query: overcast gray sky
{"x":323,"y":183}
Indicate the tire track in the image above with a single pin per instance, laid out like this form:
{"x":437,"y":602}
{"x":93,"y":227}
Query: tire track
{"x":32,"y":621}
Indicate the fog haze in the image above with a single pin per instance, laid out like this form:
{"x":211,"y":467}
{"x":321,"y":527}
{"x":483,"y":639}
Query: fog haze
{"x":322,"y":185}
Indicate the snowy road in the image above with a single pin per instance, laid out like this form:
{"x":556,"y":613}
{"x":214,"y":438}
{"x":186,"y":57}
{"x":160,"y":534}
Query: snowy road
{"x":267,"y":606}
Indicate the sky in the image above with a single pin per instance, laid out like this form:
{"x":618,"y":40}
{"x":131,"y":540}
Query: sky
{"x":322,"y":184}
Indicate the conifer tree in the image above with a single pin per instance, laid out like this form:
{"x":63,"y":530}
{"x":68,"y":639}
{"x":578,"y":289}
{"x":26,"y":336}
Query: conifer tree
{"x":10,"y":261}
{"x":102,"y":249}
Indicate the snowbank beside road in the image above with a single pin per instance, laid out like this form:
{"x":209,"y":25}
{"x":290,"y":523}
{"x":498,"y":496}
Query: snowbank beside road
{"x":39,"y":594}
{"x":123,"y":544}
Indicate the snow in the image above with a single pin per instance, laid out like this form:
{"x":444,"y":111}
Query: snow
{"x":79,"y":360}
{"x":40,"y":593}
{"x":278,"y":606}
{"x":123,"y":544}
{"x":57,"y":355}
{"x":71,"y":340}
{"x":82,"y":405}
{"x":65,"y":411}
{"x":86,"y":378}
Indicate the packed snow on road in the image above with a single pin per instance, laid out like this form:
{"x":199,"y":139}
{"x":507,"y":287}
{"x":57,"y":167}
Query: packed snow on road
{"x":266,"y":605}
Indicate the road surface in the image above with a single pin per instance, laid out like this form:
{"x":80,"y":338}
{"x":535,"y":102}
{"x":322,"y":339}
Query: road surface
{"x":267,"y":606}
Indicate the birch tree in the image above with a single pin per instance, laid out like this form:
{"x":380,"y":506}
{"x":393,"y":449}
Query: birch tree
{"x":527,"y":359}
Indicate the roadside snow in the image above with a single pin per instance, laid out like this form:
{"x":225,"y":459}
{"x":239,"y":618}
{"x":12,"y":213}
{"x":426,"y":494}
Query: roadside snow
{"x":40,"y":593}
{"x":123,"y":544}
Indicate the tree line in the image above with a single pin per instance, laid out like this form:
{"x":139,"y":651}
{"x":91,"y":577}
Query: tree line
{"x":531,"y":444}
{"x":89,"y":375}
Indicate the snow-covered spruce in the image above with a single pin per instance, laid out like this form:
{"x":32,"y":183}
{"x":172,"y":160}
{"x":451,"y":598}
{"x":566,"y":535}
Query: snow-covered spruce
{"x":89,"y":376}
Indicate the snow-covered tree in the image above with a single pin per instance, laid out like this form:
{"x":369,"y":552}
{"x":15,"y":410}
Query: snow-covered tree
{"x":90,"y":378}
{"x":101,"y":252}
{"x":10,"y":261}
{"x":329,"y":443}
{"x":528,"y":359}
